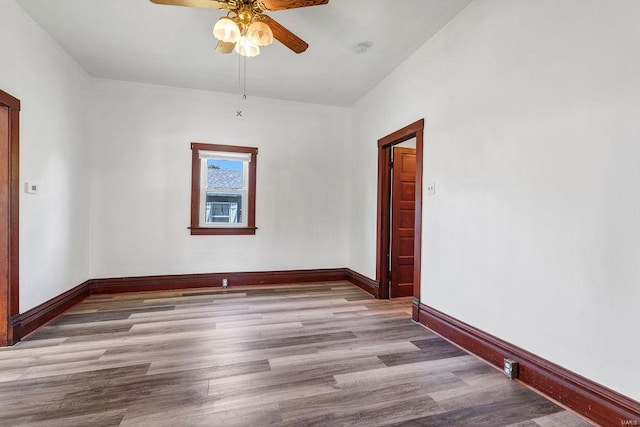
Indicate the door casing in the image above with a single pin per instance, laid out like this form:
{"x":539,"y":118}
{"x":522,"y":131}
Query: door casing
{"x":414,"y":130}
{"x":9,"y":215}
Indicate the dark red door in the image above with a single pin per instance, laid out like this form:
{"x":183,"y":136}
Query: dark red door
{"x":403,"y":209}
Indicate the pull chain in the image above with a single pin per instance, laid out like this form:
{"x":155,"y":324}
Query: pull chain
{"x":242,"y":81}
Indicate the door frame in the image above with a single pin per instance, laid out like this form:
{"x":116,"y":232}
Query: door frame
{"x":9,"y":287}
{"x":383,"y":240}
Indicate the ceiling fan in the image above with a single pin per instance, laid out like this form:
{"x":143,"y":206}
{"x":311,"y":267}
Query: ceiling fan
{"x":245,"y":27}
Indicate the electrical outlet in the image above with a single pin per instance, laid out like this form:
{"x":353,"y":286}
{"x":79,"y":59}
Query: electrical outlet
{"x":225,"y":283}
{"x":511,"y":368}
{"x":30,"y":188}
{"x":431,"y":188}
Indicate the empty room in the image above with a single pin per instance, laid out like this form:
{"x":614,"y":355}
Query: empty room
{"x":319,"y":213}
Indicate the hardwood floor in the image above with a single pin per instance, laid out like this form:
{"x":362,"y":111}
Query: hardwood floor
{"x":321,"y":354}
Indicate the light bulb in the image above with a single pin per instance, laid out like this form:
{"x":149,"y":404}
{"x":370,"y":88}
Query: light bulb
{"x":226,"y":30}
{"x":246,"y":47}
{"x":260,"y":33}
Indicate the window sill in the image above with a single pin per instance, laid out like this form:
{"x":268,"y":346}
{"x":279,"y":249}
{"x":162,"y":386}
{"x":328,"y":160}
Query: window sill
{"x":228,"y":231}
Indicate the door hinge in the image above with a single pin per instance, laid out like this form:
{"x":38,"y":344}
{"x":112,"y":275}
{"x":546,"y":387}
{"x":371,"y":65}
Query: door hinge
{"x":391,"y":164}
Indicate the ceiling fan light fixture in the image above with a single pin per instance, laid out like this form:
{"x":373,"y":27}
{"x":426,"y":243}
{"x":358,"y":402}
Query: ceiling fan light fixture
{"x":242,"y":14}
{"x":260,"y":33}
{"x":226,"y":30}
{"x":246,"y":47}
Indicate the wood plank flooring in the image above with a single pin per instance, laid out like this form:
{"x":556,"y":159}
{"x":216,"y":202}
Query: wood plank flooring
{"x":324,"y":354}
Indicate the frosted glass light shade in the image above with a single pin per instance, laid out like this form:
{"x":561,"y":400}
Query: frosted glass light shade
{"x":260,"y":33}
{"x":226,"y":30}
{"x":246,"y":47}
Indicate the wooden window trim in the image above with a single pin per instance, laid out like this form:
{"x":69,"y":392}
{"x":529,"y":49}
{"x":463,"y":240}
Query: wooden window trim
{"x":196,"y":229}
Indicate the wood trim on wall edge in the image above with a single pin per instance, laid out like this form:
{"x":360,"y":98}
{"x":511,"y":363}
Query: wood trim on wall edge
{"x":208,"y":280}
{"x":587,"y":398}
{"x":29,"y":321}
{"x":363,"y":282}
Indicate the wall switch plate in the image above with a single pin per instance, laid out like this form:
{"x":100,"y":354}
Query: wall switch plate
{"x":431,"y":188}
{"x":511,"y":368}
{"x":30,"y":188}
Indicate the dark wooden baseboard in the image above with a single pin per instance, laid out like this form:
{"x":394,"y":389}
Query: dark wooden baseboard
{"x":363,"y":282}
{"x":209,"y":280}
{"x":27,"y":322}
{"x":595,"y":402}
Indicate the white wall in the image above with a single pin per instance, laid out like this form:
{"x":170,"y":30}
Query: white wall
{"x":142,"y":171}
{"x":54,"y":225}
{"x":531,"y":136}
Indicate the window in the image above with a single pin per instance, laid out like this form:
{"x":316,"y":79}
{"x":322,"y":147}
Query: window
{"x":223,"y":189}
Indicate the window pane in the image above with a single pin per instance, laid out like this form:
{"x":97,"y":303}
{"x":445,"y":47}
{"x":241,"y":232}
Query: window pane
{"x":223,"y":208}
{"x":223,"y":189}
{"x":225,"y":174}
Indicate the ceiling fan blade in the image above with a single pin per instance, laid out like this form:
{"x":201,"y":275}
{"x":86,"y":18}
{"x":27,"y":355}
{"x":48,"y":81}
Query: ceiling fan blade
{"x":272,"y":5}
{"x":285,"y":36}
{"x":224,"y":47}
{"x":205,"y":4}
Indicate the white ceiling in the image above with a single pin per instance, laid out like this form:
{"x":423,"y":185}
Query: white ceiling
{"x":139,"y":41}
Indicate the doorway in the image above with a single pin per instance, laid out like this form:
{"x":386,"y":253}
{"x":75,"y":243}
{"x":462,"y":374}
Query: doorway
{"x":9,"y":200}
{"x":408,"y":277}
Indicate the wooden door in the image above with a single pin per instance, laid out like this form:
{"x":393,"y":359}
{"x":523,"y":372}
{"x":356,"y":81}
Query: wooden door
{"x":4,"y":224}
{"x":403,"y":212}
